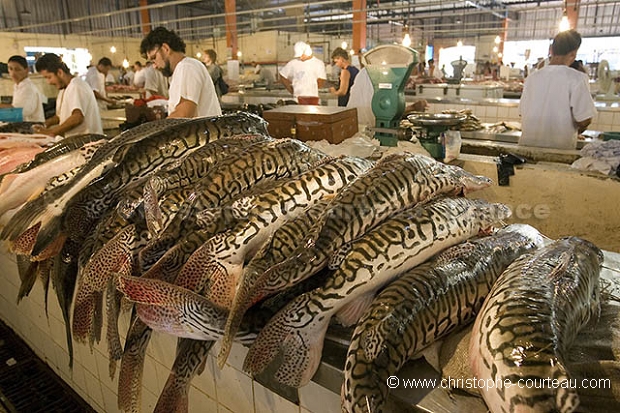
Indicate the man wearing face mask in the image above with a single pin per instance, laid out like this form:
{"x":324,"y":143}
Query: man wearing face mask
{"x":191,"y":92}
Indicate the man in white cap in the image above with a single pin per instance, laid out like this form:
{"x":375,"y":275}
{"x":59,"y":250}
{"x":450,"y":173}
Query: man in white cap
{"x":304,"y":75}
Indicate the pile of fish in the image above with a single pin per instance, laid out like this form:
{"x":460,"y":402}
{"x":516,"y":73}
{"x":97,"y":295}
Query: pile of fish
{"x":213,"y":230}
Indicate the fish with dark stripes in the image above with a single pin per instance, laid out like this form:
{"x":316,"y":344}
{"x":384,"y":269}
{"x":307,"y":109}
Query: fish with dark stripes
{"x":396,"y":182}
{"x":424,"y":305}
{"x":293,"y":339}
{"x":529,"y":321}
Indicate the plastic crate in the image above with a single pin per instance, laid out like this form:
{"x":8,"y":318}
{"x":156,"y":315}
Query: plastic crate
{"x":11,"y":115}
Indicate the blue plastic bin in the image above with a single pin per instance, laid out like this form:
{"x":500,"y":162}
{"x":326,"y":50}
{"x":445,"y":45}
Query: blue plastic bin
{"x":11,"y":115}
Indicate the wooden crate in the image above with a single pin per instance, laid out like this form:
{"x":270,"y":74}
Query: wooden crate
{"x":312,"y":123}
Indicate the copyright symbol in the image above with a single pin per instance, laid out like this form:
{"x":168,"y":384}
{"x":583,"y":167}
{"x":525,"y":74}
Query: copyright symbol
{"x":393,"y":382}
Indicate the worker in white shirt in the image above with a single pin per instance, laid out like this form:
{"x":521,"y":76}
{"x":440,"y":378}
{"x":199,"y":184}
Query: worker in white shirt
{"x":25,"y":93}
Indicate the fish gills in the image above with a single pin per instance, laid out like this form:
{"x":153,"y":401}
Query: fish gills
{"x":422,"y":306}
{"x":294,"y":337}
{"x":529,"y":320}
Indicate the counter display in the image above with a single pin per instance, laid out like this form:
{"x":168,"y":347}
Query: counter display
{"x":217,"y":225}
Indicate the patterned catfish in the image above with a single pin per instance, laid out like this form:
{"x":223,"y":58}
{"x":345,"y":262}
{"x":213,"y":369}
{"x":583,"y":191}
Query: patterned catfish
{"x":422,"y":306}
{"x":217,"y":264}
{"x":75,"y":213}
{"x":529,"y":321}
{"x":283,"y":242}
{"x":397,"y":182}
{"x":294,"y":337}
{"x":221,"y":259}
{"x":105,"y":157}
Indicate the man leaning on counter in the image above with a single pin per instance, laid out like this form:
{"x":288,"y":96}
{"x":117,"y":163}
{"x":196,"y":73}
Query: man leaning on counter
{"x":556,"y":104}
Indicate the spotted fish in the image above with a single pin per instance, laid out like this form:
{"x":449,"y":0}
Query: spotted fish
{"x":529,"y":321}
{"x":397,"y":182}
{"x":422,"y":306}
{"x":293,"y":339}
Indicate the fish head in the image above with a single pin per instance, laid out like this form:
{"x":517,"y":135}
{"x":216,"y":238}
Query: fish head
{"x":489,"y":214}
{"x":527,"y":231}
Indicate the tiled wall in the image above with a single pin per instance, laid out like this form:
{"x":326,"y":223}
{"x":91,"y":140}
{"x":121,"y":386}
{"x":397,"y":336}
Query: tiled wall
{"x":215,"y":391}
{"x":608,"y":119}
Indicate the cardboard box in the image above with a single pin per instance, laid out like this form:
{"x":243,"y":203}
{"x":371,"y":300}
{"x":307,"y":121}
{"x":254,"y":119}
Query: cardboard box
{"x":312,"y":123}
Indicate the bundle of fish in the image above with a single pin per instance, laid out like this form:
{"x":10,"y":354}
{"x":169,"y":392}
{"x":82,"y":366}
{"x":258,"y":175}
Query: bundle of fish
{"x":527,"y":324}
{"x":471,"y":121}
{"x":422,"y":306}
{"x":200,"y":223}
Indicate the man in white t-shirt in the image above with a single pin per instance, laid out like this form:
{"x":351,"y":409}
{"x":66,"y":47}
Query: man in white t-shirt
{"x":138,"y":77}
{"x":191,"y":92}
{"x":95,"y":77}
{"x":76,"y":108}
{"x":556,"y":104}
{"x":25,"y":93}
{"x":304,"y":75}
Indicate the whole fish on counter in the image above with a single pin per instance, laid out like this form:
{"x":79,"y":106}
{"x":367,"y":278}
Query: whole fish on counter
{"x":396,"y":182}
{"x":529,"y":321}
{"x":214,"y":268}
{"x":294,"y":337}
{"x":422,"y":306}
{"x":76,"y":210}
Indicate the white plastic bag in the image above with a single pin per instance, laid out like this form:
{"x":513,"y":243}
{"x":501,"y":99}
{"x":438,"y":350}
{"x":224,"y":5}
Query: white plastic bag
{"x":452,"y":145}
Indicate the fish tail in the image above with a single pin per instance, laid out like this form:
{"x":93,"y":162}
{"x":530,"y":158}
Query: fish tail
{"x":191,"y":357}
{"x":83,"y":315}
{"x":240,"y":304}
{"x":22,"y":245}
{"x":51,"y":226}
{"x":28,"y":280}
{"x":132,"y":367}
{"x":96,"y":320}
{"x":294,"y":348}
{"x":29,"y":215}
{"x":113,"y":306}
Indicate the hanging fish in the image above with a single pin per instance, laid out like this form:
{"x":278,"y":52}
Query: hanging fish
{"x":529,"y":321}
{"x":294,"y":337}
{"x":422,"y":306}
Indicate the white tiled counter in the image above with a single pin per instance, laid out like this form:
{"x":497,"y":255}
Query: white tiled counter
{"x":224,"y":391}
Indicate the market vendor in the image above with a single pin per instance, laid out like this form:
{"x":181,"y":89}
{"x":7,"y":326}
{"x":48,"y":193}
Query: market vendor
{"x":25,"y":93}
{"x":556,"y":104}
{"x":76,"y":107}
{"x":304,"y":75}
{"x":191,"y":92}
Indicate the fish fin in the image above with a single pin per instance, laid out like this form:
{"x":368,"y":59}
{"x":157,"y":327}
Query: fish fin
{"x":113,"y":305}
{"x":23,"y":265}
{"x":132,"y":366}
{"x":339,"y":255}
{"x":150,"y":291}
{"x":293,"y":348}
{"x":351,"y":313}
{"x":97,"y":320}
{"x":23,"y":244}
{"x":191,"y":357}
{"x":25,"y":218}
{"x":43,"y":274}
{"x":51,"y":226}
{"x":152,"y":211}
{"x":28,"y":280}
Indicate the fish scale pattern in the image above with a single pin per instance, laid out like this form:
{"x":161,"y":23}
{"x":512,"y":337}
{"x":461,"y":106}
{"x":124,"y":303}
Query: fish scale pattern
{"x":398,"y":244}
{"x":544,"y":299}
{"x":422,"y":306}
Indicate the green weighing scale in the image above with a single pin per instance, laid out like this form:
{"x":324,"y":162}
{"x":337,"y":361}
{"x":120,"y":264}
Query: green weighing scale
{"x":389,"y":67}
{"x":432,"y":126}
